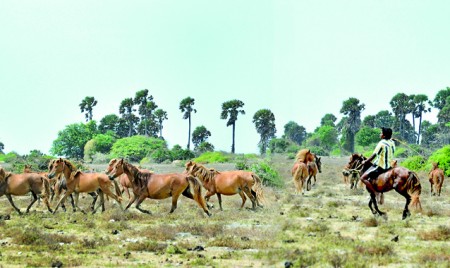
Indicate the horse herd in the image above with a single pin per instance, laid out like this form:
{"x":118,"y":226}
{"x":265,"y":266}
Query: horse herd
{"x":62,"y":176}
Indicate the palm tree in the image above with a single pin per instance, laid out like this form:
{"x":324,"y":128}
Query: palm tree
{"x":186,"y":107}
{"x":231,"y":109}
{"x":126,"y":110}
{"x":420,"y":108}
{"x":264,"y":121}
{"x":400,"y":107}
{"x":86,"y":105}
{"x":352,"y":109}
{"x":146,"y":106}
{"x":160,"y":115}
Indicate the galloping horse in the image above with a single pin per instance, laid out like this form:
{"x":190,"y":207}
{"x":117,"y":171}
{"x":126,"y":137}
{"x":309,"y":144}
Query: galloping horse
{"x":228,"y":183}
{"x":123,"y":179}
{"x":158,"y":186}
{"x":402,"y":180}
{"x":21,"y":184}
{"x":436,"y":178}
{"x":80,"y":182}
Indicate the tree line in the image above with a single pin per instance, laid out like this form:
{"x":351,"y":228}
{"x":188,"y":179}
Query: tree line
{"x":140,"y":115}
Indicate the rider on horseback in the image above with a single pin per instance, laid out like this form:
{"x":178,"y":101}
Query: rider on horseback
{"x":384,"y":153}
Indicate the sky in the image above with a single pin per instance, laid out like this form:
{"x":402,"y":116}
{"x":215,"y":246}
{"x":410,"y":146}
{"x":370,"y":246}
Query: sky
{"x":300,"y":59}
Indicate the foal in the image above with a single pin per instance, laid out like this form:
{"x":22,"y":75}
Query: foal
{"x":436,"y":178}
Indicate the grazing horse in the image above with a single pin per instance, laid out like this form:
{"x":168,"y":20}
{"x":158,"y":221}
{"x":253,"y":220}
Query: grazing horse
{"x":158,"y":186}
{"x":228,"y":183}
{"x":22,"y":184}
{"x":402,"y":180}
{"x":80,"y":182}
{"x":436,"y":178}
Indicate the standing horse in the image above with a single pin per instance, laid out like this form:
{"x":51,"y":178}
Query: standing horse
{"x":22,"y":184}
{"x":80,"y":182}
{"x":313,"y":167}
{"x":158,"y":186}
{"x":228,"y":183}
{"x":436,"y":178}
{"x":300,"y":171}
{"x":400,"y":179}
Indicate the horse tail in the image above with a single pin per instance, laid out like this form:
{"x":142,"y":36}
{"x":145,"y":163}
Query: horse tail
{"x":195,"y":187}
{"x":413,"y":184}
{"x":257,"y":189}
{"x":46,"y":185}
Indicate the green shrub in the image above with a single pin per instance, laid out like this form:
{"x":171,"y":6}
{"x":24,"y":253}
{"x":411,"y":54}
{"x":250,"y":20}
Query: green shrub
{"x":400,"y":152}
{"x":414,"y":163}
{"x":161,"y":154}
{"x":179,"y":153}
{"x":441,"y":156}
{"x":212,"y":157}
{"x":136,"y":147}
{"x":9,"y":157}
{"x":268,"y":174}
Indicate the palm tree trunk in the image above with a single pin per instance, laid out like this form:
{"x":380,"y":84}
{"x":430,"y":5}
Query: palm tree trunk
{"x":232,"y":145}
{"x":189,"y":134}
{"x":420,"y":129}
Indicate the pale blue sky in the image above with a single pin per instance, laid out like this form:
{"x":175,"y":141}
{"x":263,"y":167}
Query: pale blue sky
{"x":300,"y":59}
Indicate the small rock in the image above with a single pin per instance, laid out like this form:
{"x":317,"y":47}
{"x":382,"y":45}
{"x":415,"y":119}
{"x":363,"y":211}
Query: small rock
{"x":57,"y":264}
{"x":114,"y":232}
{"x":288,"y":264}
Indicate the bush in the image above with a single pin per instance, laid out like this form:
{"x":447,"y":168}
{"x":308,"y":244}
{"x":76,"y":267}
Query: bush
{"x":179,"y":153}
{"x":414,"y":163}
{"x":441,"y":156}
{"x":212,"y":157}
{"x":160,"y":155}
{"x":268,"y":175}
{"x":136,"y":147}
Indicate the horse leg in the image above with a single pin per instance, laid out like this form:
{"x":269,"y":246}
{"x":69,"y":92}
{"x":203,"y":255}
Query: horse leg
{"x":374,"y":202}
{"x":32,"y":202}
{"x":252,"y":198}
{"x":207,"y":196}
{"x":406,"y":212}
{"x":108,"y":192}
{"x":66,"y":194}
{"x":94,"y":196}
{"x":138,"y":204}
{"x":308,"y":183}
{"x":102,"y":201}
{"x":219,"y":197}
{"x":243,"y":198}
{"x":74,"y":202}
{"x":12,"y":203}
{"x":174,"y":202}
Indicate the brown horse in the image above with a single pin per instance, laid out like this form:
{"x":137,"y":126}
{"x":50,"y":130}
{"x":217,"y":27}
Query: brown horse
{"x":436,"y":178}
{"x":228,"y":183}
{"x":80,"y":182}
{"x":22,"y":184}
{"x":158,"y":186}
{"x":314,"y":167}
{"x":400,"y":179}
{"x":124,"y":182}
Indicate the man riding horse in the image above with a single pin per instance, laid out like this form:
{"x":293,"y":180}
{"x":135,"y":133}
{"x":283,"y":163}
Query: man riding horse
{"x":384,"y":153}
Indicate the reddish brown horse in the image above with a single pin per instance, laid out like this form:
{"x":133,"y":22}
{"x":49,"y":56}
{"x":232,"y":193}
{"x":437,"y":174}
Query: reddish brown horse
{"x":228,"y":183}
{"x":80,"y":182}
{"x":436,"y":178}
{"x":314,"y":167}
{"x":124,"y":182}
{"x":400,"y":179}
{"x":22,"y":184}
{"x":158,"y":186}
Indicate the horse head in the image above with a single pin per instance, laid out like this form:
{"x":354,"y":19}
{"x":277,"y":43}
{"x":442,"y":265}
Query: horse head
{"x":55,"y":167}
{"x":115,"y":168}
{"x":318,"y":163}
{"x":355,"y":161}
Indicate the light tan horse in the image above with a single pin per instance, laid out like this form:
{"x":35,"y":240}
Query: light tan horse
{"x":436,"y":178}
{"x":80,"y":182}
{"x":300,"y":170}
{"x":158,"y":186}
{"x":22,"y":184}
{"x":228,"y":183}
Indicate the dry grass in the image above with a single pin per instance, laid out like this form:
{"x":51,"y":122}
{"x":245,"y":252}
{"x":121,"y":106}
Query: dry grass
{"x":329,"y":226}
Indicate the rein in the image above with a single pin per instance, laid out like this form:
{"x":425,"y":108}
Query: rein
{"x":406,"y":144}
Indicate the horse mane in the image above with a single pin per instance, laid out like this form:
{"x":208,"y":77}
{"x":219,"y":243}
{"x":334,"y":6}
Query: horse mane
{"x":70,"y":165}
{"x":204,"y":173}
{"x":139,"y":178}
